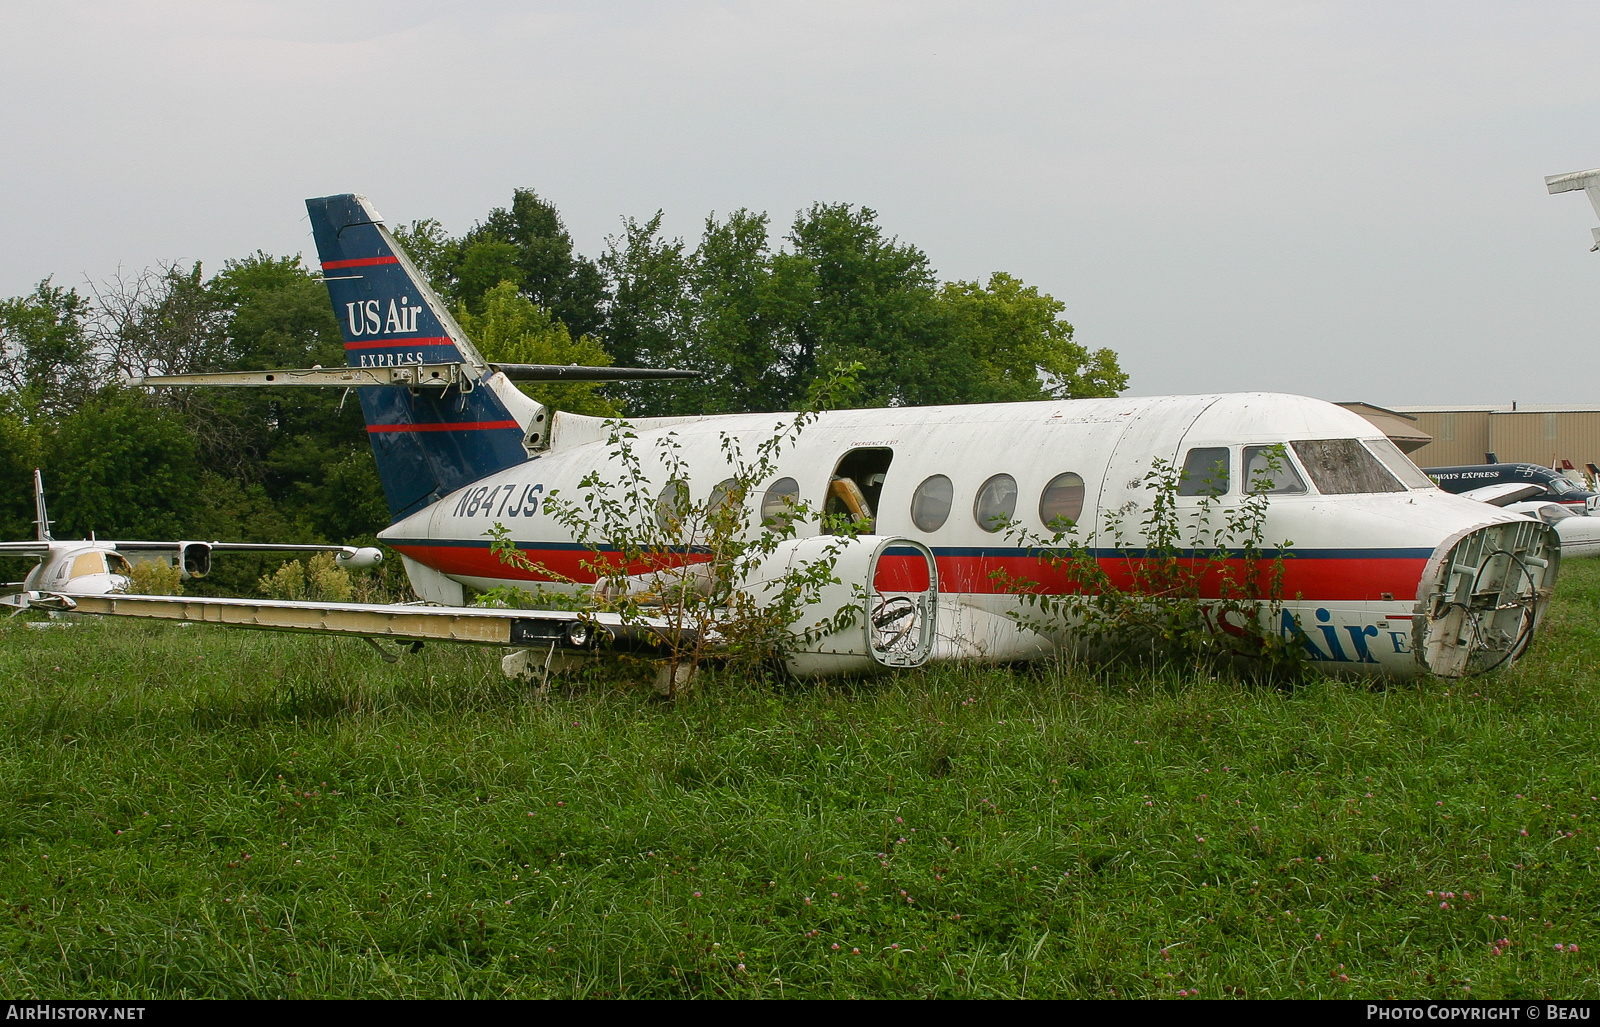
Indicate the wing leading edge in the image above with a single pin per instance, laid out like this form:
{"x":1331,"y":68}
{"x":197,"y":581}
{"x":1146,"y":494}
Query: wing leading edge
{"x":563,"y":629}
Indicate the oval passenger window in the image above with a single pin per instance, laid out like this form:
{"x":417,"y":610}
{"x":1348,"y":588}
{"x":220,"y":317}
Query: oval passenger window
{"x":930,"y":504}
{"x":996,"y":502}
{"x":724,"y":501}
{"x":1061,"y":504}
{"x":672,"y":504}
{"x":778,"y":505}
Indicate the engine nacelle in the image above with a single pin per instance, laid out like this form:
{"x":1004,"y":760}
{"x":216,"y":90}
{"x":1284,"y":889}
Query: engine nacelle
{"x":880,"y":611}
{"x":194,"y":560}
{"x":359,"y":559}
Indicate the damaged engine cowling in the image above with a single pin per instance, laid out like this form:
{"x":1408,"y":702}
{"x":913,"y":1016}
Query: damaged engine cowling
{"x":877,"y":609}
{"x":1482,"y":596}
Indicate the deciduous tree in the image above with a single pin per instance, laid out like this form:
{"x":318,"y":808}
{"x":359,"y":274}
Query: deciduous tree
{"x":511,"y":329}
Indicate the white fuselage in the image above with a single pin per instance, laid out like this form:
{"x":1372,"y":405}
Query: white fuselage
{"x":1580,"y":533}
{"x":1353,"y":575}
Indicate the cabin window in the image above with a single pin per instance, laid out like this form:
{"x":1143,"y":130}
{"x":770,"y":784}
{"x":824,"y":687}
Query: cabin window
{"x":996,"y":502}
{"x":724,"y":502}
{"x":1399,"y":464}
{"x":1269,"y":471}
{"x":118,"y":565}
{"x":1341,"y":467}
{"x":930,"y":505}
{"x":88,"y":563}
{"x":1061,"y":503}
{"x":672,"y":506}
{"x":779,"y":504}
{"x":1205,"y":472}
{"x":854,"y":490}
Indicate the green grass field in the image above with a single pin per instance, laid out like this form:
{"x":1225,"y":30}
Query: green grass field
{"x":194,"y":812}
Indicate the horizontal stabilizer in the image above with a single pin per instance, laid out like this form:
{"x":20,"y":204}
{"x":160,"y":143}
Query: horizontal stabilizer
{"x":409,"y":376}
{"x":1571,"y":181}
{"x":1588,"y":181}
{"x":575,"y":373}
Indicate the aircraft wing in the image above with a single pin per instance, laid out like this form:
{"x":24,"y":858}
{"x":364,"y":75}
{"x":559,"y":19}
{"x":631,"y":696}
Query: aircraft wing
{"x":196,"y":555}
{"x":34,"y":548}
{"x":562,"y":629}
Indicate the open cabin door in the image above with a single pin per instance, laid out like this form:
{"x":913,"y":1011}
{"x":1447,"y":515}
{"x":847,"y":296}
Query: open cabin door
{"x":851,"y":507}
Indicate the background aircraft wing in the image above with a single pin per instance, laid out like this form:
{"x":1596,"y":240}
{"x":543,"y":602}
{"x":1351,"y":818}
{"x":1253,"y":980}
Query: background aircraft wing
{"x":36,"y":548}
{"x":197,"y":555}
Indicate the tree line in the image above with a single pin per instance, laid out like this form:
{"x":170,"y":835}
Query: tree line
{"x":763,"y":323}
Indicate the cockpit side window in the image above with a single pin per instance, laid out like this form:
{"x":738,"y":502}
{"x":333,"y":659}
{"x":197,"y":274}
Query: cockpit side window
{"x":1268,"y":470}
{"x":1205,"y":472}
{"x":1341,"y":467}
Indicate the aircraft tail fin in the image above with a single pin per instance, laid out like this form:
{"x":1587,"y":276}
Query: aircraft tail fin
{"x":428,"y":442}
{"x":41,"y":518}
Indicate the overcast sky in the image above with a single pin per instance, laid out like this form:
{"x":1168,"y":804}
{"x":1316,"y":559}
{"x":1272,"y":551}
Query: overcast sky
{"x":1338,"y":199}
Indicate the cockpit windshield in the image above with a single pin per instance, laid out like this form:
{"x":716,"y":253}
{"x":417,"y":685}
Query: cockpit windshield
{"x":88,"y":563}
{"x":1561,"y":486}
{"x":1340,"y":467}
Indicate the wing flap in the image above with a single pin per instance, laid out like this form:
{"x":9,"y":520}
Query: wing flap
{"x":568,"y":629}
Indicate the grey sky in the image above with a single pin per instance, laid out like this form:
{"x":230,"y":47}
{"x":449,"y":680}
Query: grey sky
{"x":1343,"y":200}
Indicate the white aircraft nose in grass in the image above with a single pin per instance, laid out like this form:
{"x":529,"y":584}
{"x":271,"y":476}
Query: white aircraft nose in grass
{"x":1381,"y":572}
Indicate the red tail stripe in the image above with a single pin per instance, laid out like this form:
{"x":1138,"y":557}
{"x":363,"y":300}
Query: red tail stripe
{"x":432,"y":340}
{"x":334,"y":265}
{"x":457,"y":426}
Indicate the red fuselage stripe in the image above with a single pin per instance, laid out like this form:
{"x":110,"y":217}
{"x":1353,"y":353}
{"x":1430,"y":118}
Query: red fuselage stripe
{"x":459,"y":426}
{"x":335,"y":265}
{"x":432,"y":340}
{"x":1324,"y":580}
